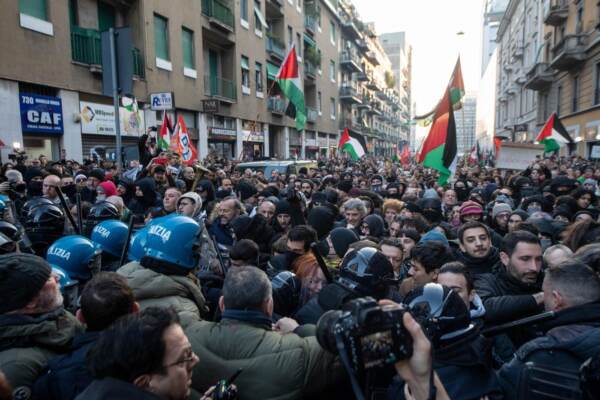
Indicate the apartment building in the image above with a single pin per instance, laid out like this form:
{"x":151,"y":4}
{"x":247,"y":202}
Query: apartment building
{"x":216,"y":59}
{"x":519,"y":39}
{"x":492,"y":15}
{"x":465,"y":124}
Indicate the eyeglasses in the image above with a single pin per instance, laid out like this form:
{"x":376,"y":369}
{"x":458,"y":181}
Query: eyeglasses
{"x":187,"y":360}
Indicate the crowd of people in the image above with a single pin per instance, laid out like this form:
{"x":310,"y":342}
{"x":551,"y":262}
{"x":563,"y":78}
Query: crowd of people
{"x":169,"y":281}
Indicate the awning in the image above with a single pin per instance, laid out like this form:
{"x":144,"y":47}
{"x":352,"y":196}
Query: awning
{"x":310,"y":40}
{"x":244,"y":63}
{"x":272,"y":71}
{"x":260,"y":17}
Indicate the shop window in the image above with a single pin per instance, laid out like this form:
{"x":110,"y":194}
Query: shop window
{"x":245,"y":75}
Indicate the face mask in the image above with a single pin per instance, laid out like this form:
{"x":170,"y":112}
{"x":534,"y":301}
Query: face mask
{"x":376,"y":188}
{"x":101,"y":197}
{"x":69,"y":190}
{"x":34,"y":189}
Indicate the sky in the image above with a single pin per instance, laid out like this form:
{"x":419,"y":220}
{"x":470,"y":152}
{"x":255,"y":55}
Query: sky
{"x":431,"y":28}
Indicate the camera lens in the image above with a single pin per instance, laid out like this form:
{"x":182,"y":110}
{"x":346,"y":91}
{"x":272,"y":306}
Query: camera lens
{"x":325,"y":326}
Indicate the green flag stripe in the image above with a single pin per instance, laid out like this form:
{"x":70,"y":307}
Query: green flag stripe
{"x":296,"y":96}
{"x":434,"y":159}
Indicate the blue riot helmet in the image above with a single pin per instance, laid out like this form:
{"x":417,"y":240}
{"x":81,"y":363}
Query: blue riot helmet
{"x":175,"y":241}
{"x":110,"y":236}
{"x":68,"y":287}
{"x":2,"y":207}
{"x":7,"y":245}
{"x":30,"y":204}
{"x":77,"y":255}
{"x":99,"y":212}
{"x":137,"y":244}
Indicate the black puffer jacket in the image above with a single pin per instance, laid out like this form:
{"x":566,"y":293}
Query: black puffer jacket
{"x":479,"y":266}
{"x":571,"y":337}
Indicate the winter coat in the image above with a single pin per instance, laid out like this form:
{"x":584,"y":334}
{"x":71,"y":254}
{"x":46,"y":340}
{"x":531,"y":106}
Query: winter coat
{"x":153,"y":289}
{"x":115,"y":389}
{"x":571,"y":337}
{"x":28,"y":342}
{"x":141,"y":205}
{"x":478,"y":266}
{"x":67,"y":375}
{"x":275,"y":366}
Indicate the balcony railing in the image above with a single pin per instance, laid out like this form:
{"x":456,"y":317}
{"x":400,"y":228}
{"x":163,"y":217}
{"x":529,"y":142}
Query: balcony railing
{"x":557,"y":12}
{"x":218,"y":11}
{"x":217,"y":86}
{"x":349,"y":93}
{"x":86,"y":48}
{"x":568,"y":52}
{"x":310,"y":23}
{"x":311,"y":114}
{"x":310,"y":69}
{"x":276,"y":105}
{"x":275,"y":48}
{"x":350,"y":59}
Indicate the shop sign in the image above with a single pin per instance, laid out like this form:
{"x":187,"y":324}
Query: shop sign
{"x":41,"y":114}
{"x":210,"y":106}
{"x":214,"y":130}
{"x":253,"y":136}
{"x":99,"y":119}
{"x":323,"y":141}
{"x":162,"y":101}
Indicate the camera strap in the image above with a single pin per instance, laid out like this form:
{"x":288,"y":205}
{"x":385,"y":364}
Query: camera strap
{"x":346,"y":363}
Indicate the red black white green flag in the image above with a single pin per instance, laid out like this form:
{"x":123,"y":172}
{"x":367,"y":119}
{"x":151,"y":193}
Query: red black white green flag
{"x":353,"y":144}
{"x":554,"y":135}
{"x":291,"y":86}
{"x":439,"y":148}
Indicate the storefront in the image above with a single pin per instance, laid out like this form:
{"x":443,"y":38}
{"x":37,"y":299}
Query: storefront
{"x":295,"y":144}
{"x":333,"y":145}
{"x":42,"y":124}
{"x":253,"y":139}
{"x":311,"y":147}
{"x":323,"y":144}
{"x":98,"y":136}
{"x":221,"y":136}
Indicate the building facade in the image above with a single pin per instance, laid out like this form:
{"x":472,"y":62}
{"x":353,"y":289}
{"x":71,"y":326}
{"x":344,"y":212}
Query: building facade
{"x":492,"y":15}
{"x":465,"y":119}
{"x":519,"y":39}
{"x":216,"y":58}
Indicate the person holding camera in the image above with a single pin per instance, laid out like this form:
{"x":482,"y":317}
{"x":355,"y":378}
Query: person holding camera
{"x":278,"y":361}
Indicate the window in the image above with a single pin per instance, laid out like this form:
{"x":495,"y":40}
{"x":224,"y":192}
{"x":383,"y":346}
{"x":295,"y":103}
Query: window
{"x":579,"y":20}
{"x":187,"y":45}
{"x":290,"y":36}
{"x":244,"y":12}
{"x":558,"y":99}
{"x":34,"y":8}
{"x":299,"y":45}
{"x":575,"y":100}
{"x":597,"y":85}
{"x":259,"y":19}
{"x":245,"y":75}
{"x":332,"y":32}
{"x":332,"y":71}
{"x":319,"y":106}
{"x":259,"y":80}
{"x":332,"y":110}
{"x":161,"y":43}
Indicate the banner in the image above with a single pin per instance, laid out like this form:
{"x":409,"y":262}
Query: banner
{"x":41,"y":114}
{"x":99,"y":119}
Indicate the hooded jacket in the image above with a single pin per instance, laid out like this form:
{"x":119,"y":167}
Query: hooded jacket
{"x":141,"y":205}
{"x":375,"y":224}
{"x":153,"y":289}
{"x":286,"y":366}
{"x":195,"y":197}
{"x":321,"y":219}
{"x":28,"y":342}
{"x":571,"y":337}
{"x":478,"y":266}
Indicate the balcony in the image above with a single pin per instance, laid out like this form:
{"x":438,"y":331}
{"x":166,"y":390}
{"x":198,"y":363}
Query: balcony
{"x":219,"y":14}
{"x":218,"y":87}
{"x":311,"y":115}
{"x":557,"y":13}
{"x":275,"y":48}
{"x":276,"y":105}
{"x":362,"y":44}
{"x":540,"y":77}
{"x":349,"y":94}
{"x":568,"y":52}
{"x":517,"y":49}
{"x":310,"y":70}
{"x":351,"y":123}
{"x":310,"y":23}
{"x":372,"y":57}
{"x":86,"y":48}
{"x":365,"y":103}
{"x":361,"y":76}
{"x":376,"y":108}
{"x":350,"y":60}
{"x":350,"y":27}
{"x":381,"y":95}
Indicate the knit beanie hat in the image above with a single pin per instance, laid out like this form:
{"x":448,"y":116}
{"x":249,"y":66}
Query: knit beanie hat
{"x":500,"y":208}
{"x":342,"y":238}
{"x":434,"y":235}
{"x":97,"y":173}
{"x":22,"y":276}
{"x":470,"y":207}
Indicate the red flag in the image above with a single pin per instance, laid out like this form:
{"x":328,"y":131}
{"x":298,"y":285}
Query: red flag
{"x":405,"y":156}
{"x":497,"y":144}
{"x":185,"y":148}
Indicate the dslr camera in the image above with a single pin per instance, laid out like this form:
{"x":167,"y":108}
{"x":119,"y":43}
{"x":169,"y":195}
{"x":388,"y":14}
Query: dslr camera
{"x":365,"y":335}
{"x":18,"y":156}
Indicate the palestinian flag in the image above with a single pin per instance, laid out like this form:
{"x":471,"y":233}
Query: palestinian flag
{"x":353,"y":144}
{"x":457,"y":86}
{"x":553,"y":135}
{"x":396,"y":156}
{"x":291,"y":86}
{"x":439,"y":148}
{"x":405,"y":156}
{"x":164,"y":136}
